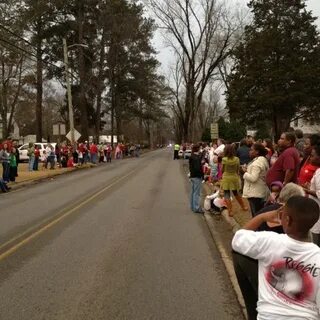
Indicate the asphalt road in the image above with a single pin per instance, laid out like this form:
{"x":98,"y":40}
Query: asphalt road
{"x":114,"y":242}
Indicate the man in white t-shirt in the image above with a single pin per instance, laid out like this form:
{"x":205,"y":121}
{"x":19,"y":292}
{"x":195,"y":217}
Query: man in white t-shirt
{"x":289,"y":265}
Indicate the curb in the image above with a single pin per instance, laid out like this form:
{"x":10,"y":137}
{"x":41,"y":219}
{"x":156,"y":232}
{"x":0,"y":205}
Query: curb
{"x":231,"y":221}
{"x":225,"y":256}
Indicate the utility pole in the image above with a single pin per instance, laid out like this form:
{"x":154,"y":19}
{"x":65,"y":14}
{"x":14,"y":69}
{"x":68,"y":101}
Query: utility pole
{"x":69,"y":94}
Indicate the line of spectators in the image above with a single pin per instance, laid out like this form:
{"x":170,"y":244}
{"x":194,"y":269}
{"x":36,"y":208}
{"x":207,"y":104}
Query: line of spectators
{"x":277,"y":267}
{"x":276,"y":263}
{"x":60,"y":155}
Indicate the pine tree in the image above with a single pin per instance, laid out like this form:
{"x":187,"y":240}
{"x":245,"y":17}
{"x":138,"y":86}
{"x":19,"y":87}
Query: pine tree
{"x":276,"y":73}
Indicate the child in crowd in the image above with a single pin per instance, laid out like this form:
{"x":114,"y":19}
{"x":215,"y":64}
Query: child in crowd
{"x":36,"y":158}
{"x":275,"y":156}
{"x":214,"y":169}
{"x":101,"y":154}
{"x":276,"y":188}
{"x":108,"y":151}
{"x":215,"y":201}
{"x":64,"y":161}
{"x":289,"y":265}
{"x":13,"y":165}
{"x":206,"y":168}
{"x":80,"y":156}
{"x":219,"y":175}
{"x":70,"y":162}
{"x":44,"y":159}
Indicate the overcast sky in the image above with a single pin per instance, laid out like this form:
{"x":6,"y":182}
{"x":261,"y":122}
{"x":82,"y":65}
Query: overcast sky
{"x":165,"y":55}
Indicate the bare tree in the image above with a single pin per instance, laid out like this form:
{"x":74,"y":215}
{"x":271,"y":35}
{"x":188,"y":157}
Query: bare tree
{"x":210,"y":110}
{"x":13,"y":75}
{"x":201,"y":33}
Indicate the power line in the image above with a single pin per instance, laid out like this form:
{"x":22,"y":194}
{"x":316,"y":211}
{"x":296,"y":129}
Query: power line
{"x":9,"y":48}
{"x":25,"y":40}
{"x":25,"y":62}
{"x":33,"y":47}
{"x":19,"y":48}
{"x":34,"y":55}
{"x":15,"y":35}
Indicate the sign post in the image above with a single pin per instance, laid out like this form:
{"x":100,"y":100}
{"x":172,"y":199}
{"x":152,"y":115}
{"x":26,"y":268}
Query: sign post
{"x":59,"y":130}
{"x":214,"y":130}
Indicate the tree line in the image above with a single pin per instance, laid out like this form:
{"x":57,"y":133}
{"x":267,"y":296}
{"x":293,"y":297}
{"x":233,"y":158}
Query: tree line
{"x":266,"y":62}
{"x":266,"y":58}
{"x":275,"y":78}
{"x":113,"y":66}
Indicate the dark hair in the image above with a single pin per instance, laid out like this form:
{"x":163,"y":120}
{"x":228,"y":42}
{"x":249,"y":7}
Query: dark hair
{"x":269,"y":143}
{"x":299,"y":133}
{"x":262,"y":151}
{"x":243,"y":142}
{"x":314,"y":139}
{"x":229,"y":151}
{"x":195,"y":148}
{"x":304,"y":212}
{"x":290,"y":136}
{"x":317,"y":149}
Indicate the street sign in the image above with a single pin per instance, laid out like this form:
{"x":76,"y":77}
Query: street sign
{"x":59,"y":129}
{"x":214,"y":130}
{"x":77,"y":135}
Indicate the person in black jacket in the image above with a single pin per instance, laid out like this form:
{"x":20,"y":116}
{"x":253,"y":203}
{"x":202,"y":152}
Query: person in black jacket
{"x":15,"y":145}
{"x":196,"y":177}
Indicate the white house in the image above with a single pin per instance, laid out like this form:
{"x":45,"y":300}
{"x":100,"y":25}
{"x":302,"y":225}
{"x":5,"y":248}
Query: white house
{"x":308,"y":127}
{"x":15,"y":133}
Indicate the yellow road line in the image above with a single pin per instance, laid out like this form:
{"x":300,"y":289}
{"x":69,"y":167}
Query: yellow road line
{"x":54,"y":222}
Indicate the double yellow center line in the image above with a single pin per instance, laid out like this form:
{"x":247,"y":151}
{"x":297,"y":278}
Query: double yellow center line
{"x":27,"y":236}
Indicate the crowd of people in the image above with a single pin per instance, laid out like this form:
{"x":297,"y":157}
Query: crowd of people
{"x":276,"y":263}
{"x":60,"y":155}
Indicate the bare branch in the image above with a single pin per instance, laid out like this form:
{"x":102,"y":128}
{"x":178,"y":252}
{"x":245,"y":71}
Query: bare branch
{"x":202,"y":34}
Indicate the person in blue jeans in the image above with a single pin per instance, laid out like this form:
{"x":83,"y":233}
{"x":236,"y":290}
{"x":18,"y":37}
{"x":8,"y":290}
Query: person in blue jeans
{"x":196,"y":177}
{"x":5,"y":160}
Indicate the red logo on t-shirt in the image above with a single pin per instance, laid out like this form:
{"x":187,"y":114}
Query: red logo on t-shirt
{"x":293,"y":279}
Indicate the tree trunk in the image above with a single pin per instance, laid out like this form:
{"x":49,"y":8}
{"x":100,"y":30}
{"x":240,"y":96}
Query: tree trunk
{"x":39,"y":83}
{"x":185,"y":132}
{"x":148,"y":131}
{"x":179,"y":131}
{"x":119,"y":128}
{"x":140,"y":140}
{"x":140,"y":124}
{"x":98,"y":117}
{"x":189,"y":112}
{"x":112,"y":105}
{"x":151,"y":135}
{"x":281,"y":123}
{"x":82,"y":74}
{"x":4,"y":110}
{"x":100,"y":85}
